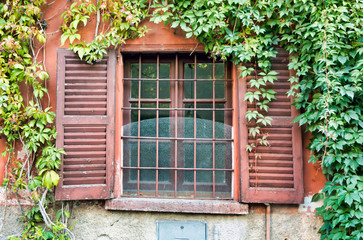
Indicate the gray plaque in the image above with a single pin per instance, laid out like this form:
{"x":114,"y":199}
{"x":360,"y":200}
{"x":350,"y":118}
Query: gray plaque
{"x":181,"y":230}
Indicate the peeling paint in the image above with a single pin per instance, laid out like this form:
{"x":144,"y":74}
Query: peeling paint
{"x":22,"y":153}
{"x":309,"y":206}
{"x":11,"y":199}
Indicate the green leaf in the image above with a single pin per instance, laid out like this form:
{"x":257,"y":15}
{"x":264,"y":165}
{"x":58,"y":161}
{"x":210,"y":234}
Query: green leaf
{"x":64,"y":38}
{"x":342,"y":59}
{"x":189,"y":34}
{"x":54,"y":177}
{"x":175,"y":24}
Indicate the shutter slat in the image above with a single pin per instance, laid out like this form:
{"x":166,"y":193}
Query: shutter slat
{"x":94,"y":73}
{"x":82,"y":161}
{"x":85,"y":111}
{"x":84,"y":181}
{"x":274,"y":173}
{"x":85,"y":126}
{"x":85,"y":167}
{"x":272,"y":163}
{"x":86,"y":86}
{"x":84,"y":141}
{"x":272,"y":169}
{"x":85,"y":91}
{"x":81,"y":174}
{"x":75,"y":147}
{"x":85,"y":155}
{"x":85,"y":98}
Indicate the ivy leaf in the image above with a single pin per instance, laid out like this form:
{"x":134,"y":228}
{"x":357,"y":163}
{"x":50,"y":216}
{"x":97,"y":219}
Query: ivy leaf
{"x":342,"y":59}
{"x":175,"y":24}
{"x":184,"y":27}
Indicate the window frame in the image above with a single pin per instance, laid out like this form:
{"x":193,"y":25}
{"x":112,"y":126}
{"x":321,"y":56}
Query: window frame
{"x":177,"y":100}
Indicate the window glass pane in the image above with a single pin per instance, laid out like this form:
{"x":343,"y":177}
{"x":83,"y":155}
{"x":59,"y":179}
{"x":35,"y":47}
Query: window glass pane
{"x":148,"y":88}
{"x":164,"y":121}
{"x":164,"y":159}
{"x":204,"y":89}
{"x":135,"y":70}
{"x":148,"y":120}
{"x":188,"y":122}
{"x":189,"y":71}
{"x":219,"y":71}
{"x":135,"y":83}
{"x":187,"y":153}
{"x":204,"y":121}
{"x":219,"y":88}
{"x":132,"y":127}
{"x":204,"y":155}
{"x":164,"y":69}
{"x":164,"y":86}
{"x":188,"y":89}
{"x":204,"y":70}
{"x":148,"y":70}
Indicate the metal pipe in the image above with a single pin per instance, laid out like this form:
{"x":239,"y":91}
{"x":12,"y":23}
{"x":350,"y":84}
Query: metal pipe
{"x":268,"y":221}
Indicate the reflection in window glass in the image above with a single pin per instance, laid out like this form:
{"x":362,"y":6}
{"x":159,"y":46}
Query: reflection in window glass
{"x":204,"y":88}
{"x":149,"y":87}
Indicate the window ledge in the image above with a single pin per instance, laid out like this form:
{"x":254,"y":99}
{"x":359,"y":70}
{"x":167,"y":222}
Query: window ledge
{"x":177,"y":206}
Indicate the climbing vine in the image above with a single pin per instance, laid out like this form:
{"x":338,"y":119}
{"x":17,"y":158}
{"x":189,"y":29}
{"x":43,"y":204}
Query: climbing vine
{"x":27,"y":122}
{"x":120,"y":21}
{"x":324,"y":38}
{"x":325,"y":41}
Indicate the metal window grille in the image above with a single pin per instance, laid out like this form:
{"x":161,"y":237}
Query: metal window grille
{"x":177,"y":134}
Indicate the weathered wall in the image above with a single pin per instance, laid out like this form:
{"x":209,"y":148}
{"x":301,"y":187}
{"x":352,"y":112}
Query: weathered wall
{"x":92,"y":221}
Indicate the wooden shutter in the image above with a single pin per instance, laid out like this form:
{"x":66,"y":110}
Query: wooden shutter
{"x":275,"y":177}
{"x":85,"y":126}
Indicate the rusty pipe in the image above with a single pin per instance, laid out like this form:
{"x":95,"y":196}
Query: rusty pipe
{"x":268,"y":221}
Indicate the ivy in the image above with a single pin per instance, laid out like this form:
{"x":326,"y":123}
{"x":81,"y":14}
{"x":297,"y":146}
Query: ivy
{"x":26,"y":121}
{"x":324,"y":39}
{"x":325,"y":42}
{"x":120,"y":21}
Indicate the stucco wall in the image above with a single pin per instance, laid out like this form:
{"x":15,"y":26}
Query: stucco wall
{"x":93,"y":222}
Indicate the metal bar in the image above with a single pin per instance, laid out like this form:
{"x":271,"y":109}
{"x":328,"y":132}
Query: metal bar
{"x":181,"y":139}
{"x":167,"y":100}
{"x":214,"y":132}
{"x":195,"y":125}
{"x":157,"y":123}
{"x":148,"y":100}
{"x":138,"y":130}
{"x":204,"y":100}
{"x":179,"y":109}
{"x":176,"y":127}
{"x":179,"y":168}
{"x":174,"y":79}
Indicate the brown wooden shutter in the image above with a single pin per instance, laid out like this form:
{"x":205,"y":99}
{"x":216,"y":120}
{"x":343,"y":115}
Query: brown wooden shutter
{"x":277,"y":176}
{"x":85,"y":126}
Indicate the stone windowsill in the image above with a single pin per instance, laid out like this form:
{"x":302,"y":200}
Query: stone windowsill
{"x":177,"y":206}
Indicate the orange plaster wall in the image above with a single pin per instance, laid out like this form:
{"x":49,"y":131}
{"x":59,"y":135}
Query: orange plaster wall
{"x":2,"y":160}
{"x":313,"y":176}
{"x":165,"y":39}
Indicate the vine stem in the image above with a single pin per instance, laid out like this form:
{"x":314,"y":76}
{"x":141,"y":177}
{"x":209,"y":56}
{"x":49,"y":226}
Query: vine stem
{"x":48,"y":222}
{"x":98,"y":19}
{"x":328,"y":94}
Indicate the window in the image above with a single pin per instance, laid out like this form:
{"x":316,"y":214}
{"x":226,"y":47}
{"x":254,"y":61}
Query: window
{"x":177,"y":127}
{"x":183,"y":131}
